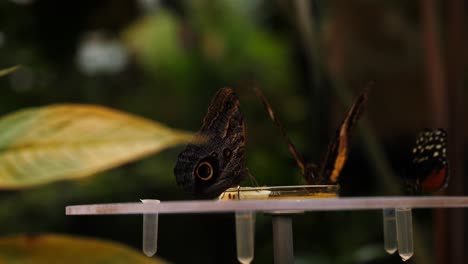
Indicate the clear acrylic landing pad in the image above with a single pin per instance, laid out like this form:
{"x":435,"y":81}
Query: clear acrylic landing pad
{"x":279,"y":202}
{"x":323,"y":204}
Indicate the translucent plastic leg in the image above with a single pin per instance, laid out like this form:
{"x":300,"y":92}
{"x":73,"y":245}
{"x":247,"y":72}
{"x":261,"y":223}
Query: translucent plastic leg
{"x":245,"y":236}
{"x":283,"y":239}
{"x":150,"y":231}
{"x":404,"y":227}
{"x":389,"y":230}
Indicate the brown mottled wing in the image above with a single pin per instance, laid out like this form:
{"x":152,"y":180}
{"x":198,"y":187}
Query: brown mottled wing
{"x":223,"y":107}
{"x":337,"y":152}
{"x":300,"y":162}
{"x":223,"y":148}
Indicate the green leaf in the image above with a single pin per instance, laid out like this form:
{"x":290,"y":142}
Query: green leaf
{"x":155,"y":40}
{"x":9,"y":70}
{"x":45,"y":144}
{"x":53,"y":249}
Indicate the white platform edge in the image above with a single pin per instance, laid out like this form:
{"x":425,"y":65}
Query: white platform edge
{"x":318,"y":204}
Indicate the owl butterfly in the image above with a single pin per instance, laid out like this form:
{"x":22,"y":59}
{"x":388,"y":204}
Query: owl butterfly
{"x":429,"y":162}
{"x":335,"y":157}
{"x":218,"y":162}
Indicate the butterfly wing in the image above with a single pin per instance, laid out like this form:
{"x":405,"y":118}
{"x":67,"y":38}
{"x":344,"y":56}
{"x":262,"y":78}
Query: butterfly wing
{"x":429,"y":159}
{"x":337,"y":151}
{"x":209,"y":168}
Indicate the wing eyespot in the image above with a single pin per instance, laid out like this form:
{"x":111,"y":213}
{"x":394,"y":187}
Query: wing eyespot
{"x":204,"y":171}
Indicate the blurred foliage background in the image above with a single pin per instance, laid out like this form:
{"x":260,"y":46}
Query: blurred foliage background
{"x":164,"y":60}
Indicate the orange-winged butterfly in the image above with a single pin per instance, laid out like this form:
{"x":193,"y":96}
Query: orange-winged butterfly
{"x":335,"y":157}
{"x":429,"y":171}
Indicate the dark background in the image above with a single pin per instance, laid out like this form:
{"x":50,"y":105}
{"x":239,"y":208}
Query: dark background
{"x":164,"y":60}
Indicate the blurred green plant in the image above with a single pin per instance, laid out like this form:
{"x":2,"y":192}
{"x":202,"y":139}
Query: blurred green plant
{"x":45,"y":144}
{"x":221,"y":40}
{"x":51,"y":248}
{"x":56,"y":142}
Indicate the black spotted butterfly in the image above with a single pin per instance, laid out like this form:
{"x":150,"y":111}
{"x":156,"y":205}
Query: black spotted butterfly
{"x":429,"y":171}
{"x":335,"y":157}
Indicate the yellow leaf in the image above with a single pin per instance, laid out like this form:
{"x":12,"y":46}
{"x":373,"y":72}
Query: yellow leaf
{"x":55,"y":249}
{"x":9,"y":70}
{"x":44,"y":144}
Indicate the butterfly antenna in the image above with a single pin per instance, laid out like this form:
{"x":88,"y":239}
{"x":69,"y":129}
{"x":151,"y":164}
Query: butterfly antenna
{"x":252,"y":179}
{"x":278,"y":124}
